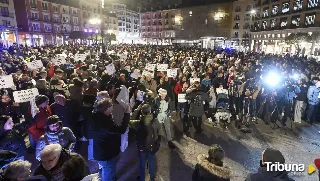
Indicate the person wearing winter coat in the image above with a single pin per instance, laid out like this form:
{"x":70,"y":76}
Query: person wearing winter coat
{"x":160,"y":109}
{"x":17,"y":170}
{"x":76,"y":169}
{"x":198,"y":98}
{"x":56,"y":134}
{"x":11,"y":136}
{"x":183,"y":109}
{"x":147,"y":140}
{"x":273,"y":156}
{"x":313,"y":100}
{"x":107,"y":137}
{"x":211,"y":167}
{"x":53,"y":157}
{"x":301,"y":91}
{"x":149,"y":83}
{"x":8,"y":107}
{"x":37,"y":128}
{"x":206,"y":83}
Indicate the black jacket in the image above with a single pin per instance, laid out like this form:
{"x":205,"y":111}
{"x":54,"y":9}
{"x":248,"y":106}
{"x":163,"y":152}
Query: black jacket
{"x":264,"y":175}
{"x":302,"y":95}
{"x":207,"y":171}
{"x":69,"y":113}
{"x":107,"y":135}
{"x":146,"y":131}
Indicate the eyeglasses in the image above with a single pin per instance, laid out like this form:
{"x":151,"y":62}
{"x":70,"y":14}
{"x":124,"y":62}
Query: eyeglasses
{"x":49,"y":161}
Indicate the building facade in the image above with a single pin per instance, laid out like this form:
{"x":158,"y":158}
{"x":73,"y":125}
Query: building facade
{"x":243,"y":11}
{"x":46,"y":22}
{"x":160,"y":27}
{"x":128,"y":23}
{"x":277,"y":19}
{"x":8,"y":23}
{"x":210,"y":24}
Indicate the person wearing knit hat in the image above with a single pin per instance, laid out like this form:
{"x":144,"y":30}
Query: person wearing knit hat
{"x":42,"y":101}
{"x":272,"y":156}
{"x":56,"y":133}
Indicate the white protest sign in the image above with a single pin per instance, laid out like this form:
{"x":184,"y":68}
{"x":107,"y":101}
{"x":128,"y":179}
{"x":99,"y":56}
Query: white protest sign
{"x":25,"y":95}
{"x":34,"y":108}
{"x":6,"y":81}
{"x":132,"y":102}
{"x":172,"y":72}
{"x":182,"y":98}
{"x":221,"y":91}
{"x":219,"y":55}
{"x":190,"y":62}
{"x":5,"y":51}
{"x":135,"y":74}
{"x":35,"y":65}
{"x":59,"y":60}
{"x":110,"y":69}
{"x":162,"y":67}
{"x":150,"y":67}
{"x":61,"y":55}
{"x":80,"y":57}
{"x":123,"y":97}
{"x":192,"y":80}
{"x":122,"y":57}
{"x":140,"y":95}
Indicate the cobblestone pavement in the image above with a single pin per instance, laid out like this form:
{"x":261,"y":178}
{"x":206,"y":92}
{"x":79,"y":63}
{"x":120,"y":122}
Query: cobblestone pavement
{"x":243,"y":151}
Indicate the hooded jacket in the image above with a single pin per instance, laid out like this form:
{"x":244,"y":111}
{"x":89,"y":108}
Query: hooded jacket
{"x":195,"y":95}
{"x":37,"y":128}
{"x":264,"y":175}
{"x":64,"y":137}
{"x":207,"y":171}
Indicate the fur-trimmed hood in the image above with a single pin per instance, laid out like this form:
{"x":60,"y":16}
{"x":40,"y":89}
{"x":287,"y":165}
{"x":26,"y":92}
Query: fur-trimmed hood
{"x":222,"y":172}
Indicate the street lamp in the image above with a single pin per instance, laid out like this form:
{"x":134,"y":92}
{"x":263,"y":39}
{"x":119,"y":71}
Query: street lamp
{"x":253,"y":11}
{"x":95,"y":21}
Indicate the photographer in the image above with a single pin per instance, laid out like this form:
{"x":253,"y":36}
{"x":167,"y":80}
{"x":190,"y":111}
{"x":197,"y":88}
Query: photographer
{"x":301,"y":91}
{"x":197,"y":97}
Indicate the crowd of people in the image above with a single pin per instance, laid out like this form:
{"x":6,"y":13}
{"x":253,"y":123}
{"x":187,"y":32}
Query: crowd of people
{"x":84,"y":100}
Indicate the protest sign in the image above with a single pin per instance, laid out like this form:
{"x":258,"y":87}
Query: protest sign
{"x":59,"y":61}
{"x":123,"y":97}
{"x":148,"y":73}
{"x":34,"y":108}
{"x":150,"y":67}
{"x":25,"y":95}
{"x":162,"y":67}
{"x":192,"y":80}
{"x":35,"y":64}
{"x":110,"y":69}
{"x":222,"y":91}
{"x":140,"y":95}
{"x":135,"y":74}
{"x":6,"y":81}
{"x":172,"y":72}
{"x":80,"y":57}
{"x":182,"y":98}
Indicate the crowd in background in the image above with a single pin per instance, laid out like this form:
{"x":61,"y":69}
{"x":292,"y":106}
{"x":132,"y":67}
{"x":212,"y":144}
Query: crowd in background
{"x":78,"y":101}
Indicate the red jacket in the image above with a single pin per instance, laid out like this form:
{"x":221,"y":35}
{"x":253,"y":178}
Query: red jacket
{"x":178,"y":88}
{"x":37,"y":128}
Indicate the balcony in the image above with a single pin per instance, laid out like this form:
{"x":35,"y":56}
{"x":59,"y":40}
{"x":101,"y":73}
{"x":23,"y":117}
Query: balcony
{"x":45,"y":8}
{"x":56,"y":21}
{"x":46,"y":19}
{"x":7,"y":14}
{"x":237,"y":19}
{"x":35,"y":18}
{"x":238,"y":10}
{"x":74,"y":13}
{"x":245,"y":36}
{"x":4,"y":1}
{"x":246,"y":27}
{"x":236,"y":27}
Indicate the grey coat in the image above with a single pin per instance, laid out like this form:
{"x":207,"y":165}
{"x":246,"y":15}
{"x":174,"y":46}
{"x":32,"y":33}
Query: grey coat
{"x":197,"y":110}
{"x":64,"y":137}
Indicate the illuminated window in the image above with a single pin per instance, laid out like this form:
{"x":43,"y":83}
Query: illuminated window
{"x":273,"y":23}
{"x":283,"y":22}
{"x":265,"y":13}
{"x":313,"y":3}
{"x":285,"y":7}
{"x":297,"y":6}
{"x":275,"y":9}
{"x":310,"y":19}
{"x":279,"y":35}
{"x":264,"y":25}
{"x":295,"y":21}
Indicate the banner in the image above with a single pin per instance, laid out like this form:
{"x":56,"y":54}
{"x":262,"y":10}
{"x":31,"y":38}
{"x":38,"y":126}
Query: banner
{"x":6,"y":81}
{"x":25,"y":95}
{"x":35,"y":65}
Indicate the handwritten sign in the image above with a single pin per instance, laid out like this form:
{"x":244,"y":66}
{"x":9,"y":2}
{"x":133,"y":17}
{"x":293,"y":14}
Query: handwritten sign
{"x":172,"y":72}
{"x":25,"y":95}
{"x":192,"y":80}
{"x":59,"y":60}
{"x":110,"y":69}
{"x":162,"y":67}
{"x":80,"y":57}
{"x":6,"y":81}
{"x":182,"y":98}
{"x":150,"y":67}
{"x":123,"y":97}
{"x":35,"y":65}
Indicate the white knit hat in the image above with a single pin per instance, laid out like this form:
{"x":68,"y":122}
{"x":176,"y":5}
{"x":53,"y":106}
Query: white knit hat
{"x":162,"y":92}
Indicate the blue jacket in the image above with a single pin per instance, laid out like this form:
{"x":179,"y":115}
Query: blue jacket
{"x":313,"y":95}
